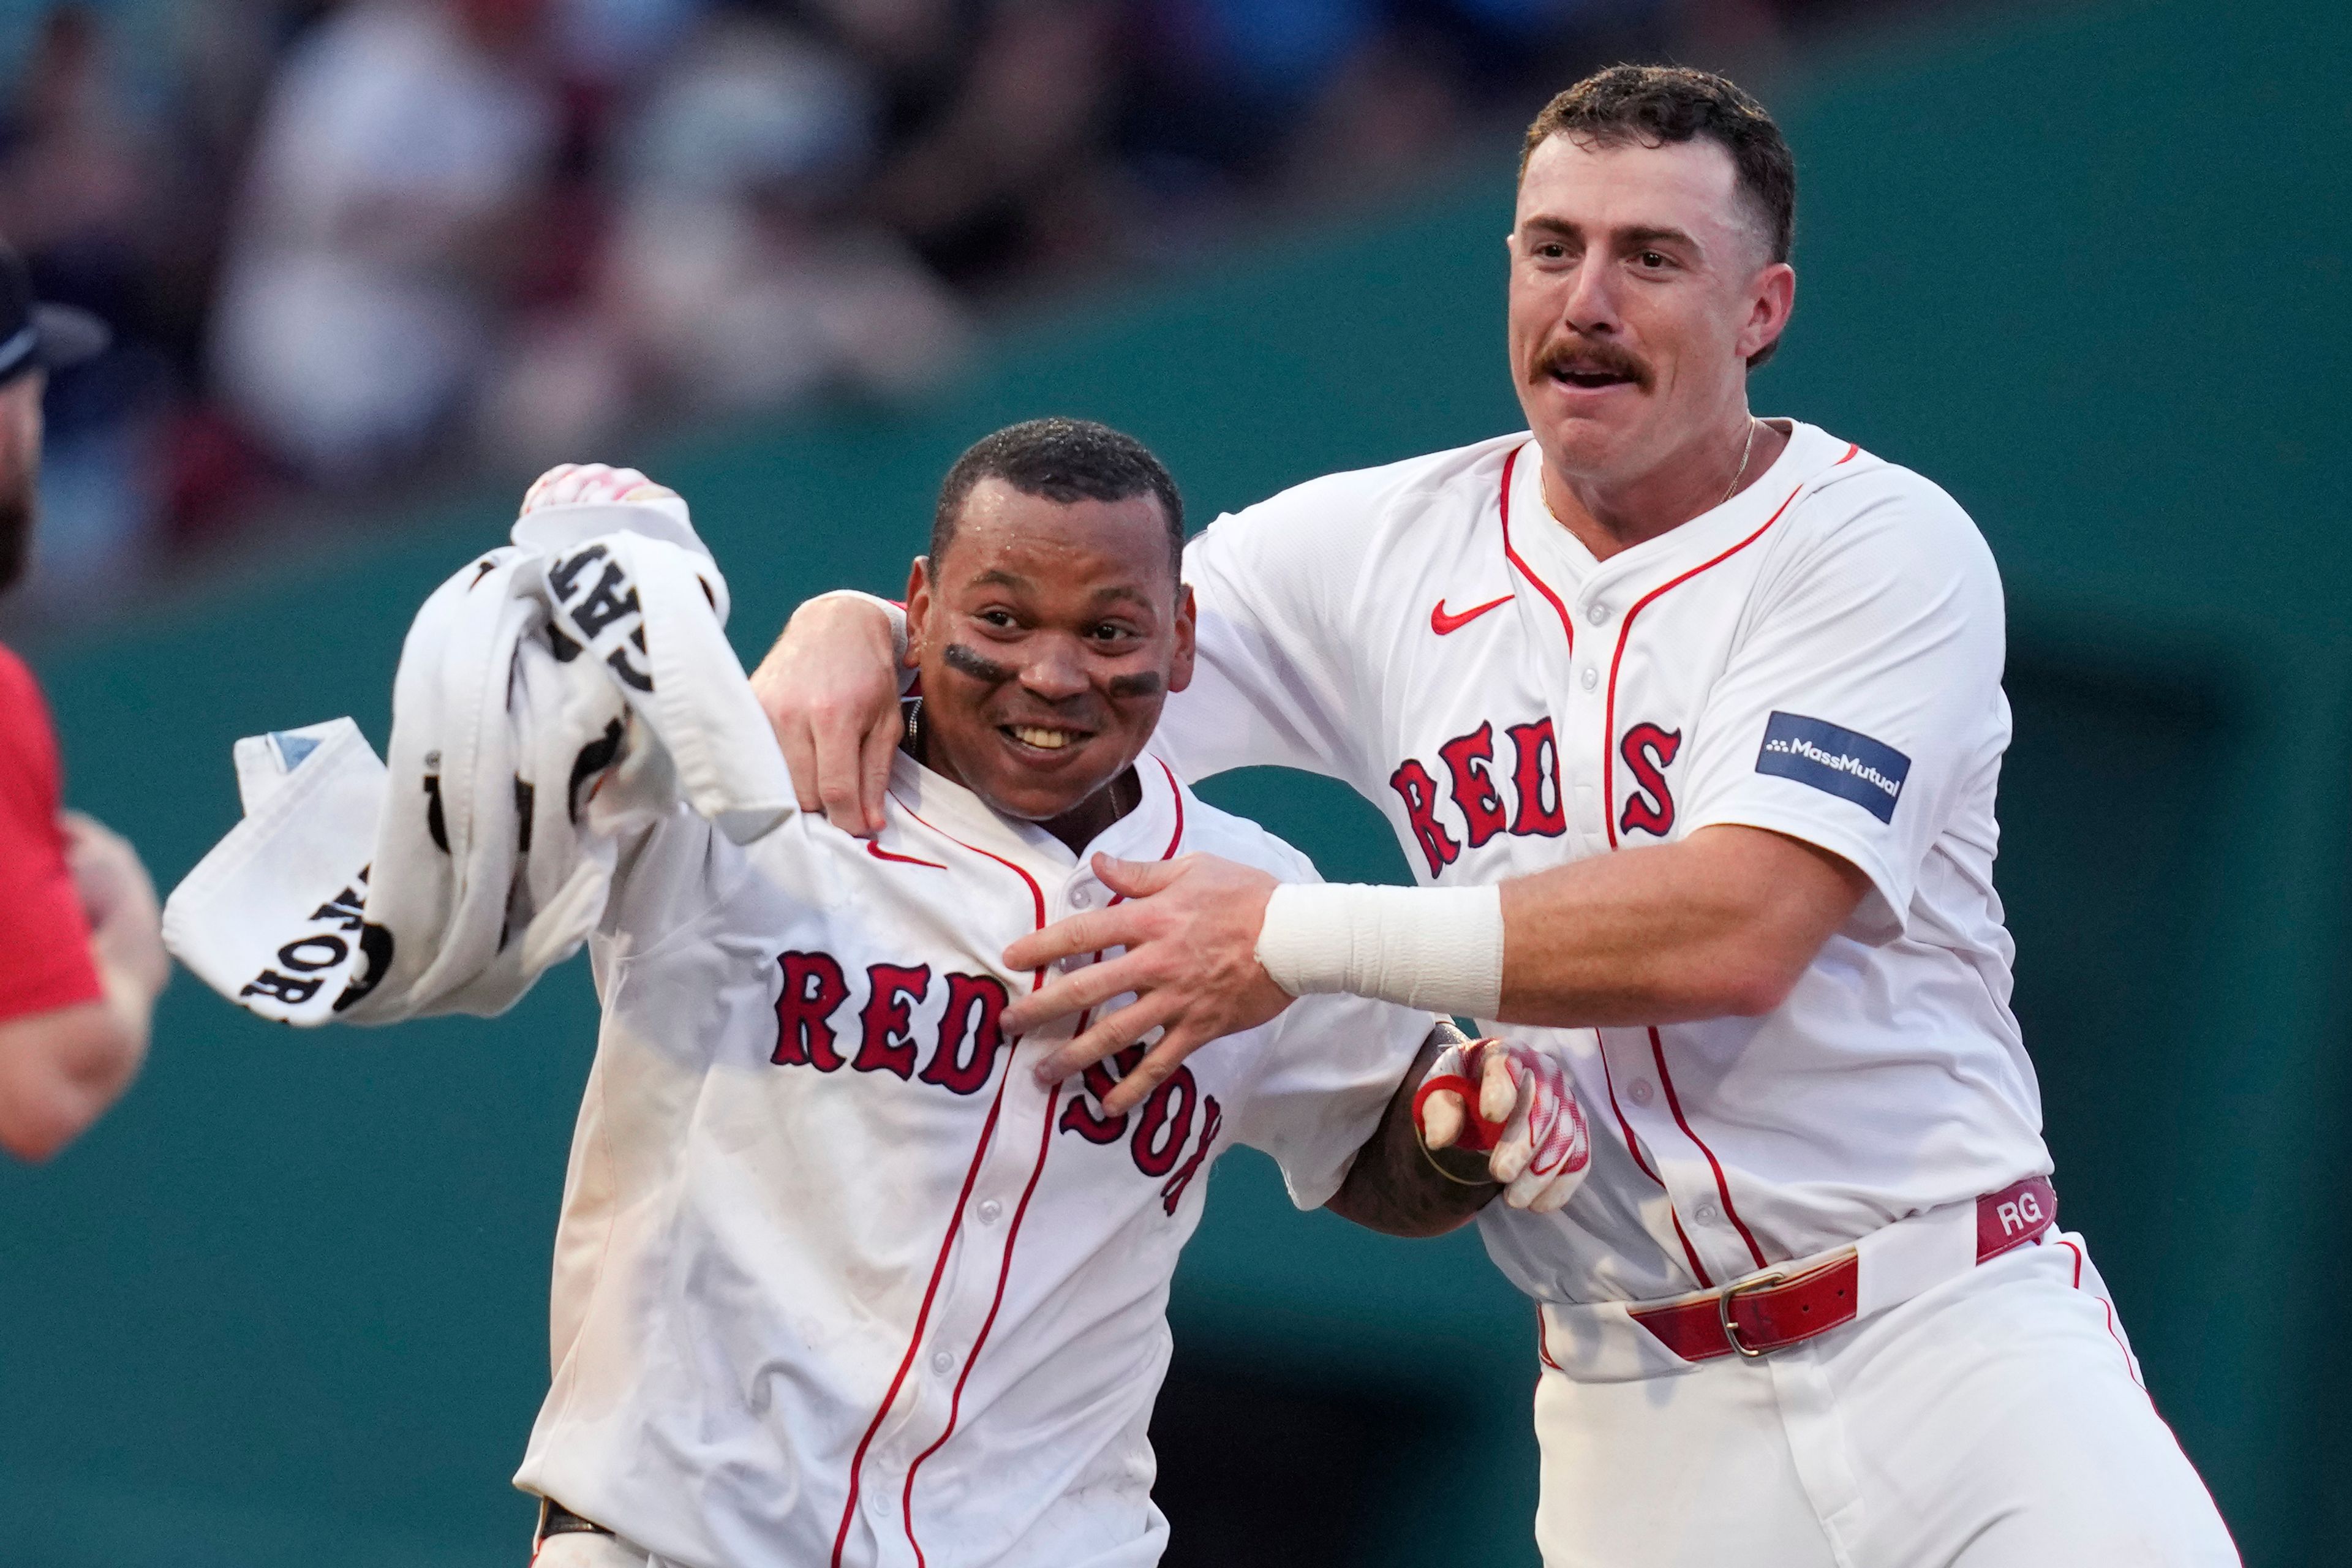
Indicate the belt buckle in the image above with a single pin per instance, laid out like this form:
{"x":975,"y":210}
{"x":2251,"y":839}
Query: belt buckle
{"x":1725,"y":1297}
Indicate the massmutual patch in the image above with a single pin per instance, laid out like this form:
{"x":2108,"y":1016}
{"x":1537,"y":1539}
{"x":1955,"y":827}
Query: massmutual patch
{"x":1845,"y":763}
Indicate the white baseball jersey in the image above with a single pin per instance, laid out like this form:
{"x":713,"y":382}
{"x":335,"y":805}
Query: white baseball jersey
{"x":1820,"y":655}
{"x":836,"y":1282}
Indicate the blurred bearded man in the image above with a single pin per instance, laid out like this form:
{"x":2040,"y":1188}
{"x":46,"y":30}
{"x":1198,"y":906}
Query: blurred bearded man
{"x":82,"y":960}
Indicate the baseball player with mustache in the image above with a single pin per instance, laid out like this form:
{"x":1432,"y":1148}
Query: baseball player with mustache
{"x":1689,"y":723}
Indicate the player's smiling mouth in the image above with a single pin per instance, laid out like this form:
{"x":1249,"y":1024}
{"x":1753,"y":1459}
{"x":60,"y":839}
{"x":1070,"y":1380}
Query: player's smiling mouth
{"x":1045,"y":739}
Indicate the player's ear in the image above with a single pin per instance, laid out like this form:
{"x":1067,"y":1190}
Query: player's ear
{"x":919,"y":606}
{"x":1771,"y":299}
{"x":1180,"y":662}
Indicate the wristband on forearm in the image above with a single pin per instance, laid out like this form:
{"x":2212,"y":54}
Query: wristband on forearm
{"x":1435,"y":948}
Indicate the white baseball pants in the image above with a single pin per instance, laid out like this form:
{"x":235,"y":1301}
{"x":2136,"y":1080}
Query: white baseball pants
{"x":1996,"y":1420}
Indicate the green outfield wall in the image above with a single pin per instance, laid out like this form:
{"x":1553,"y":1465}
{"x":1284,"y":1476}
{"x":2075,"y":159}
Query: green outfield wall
{"x":2086,"y":266}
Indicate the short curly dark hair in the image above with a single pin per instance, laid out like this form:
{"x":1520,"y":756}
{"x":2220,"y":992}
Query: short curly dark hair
{"x":1064,"y":460}
{"x":1659,"y":106}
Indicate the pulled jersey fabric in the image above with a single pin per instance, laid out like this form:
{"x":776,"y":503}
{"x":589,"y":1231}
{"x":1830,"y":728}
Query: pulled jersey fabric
{"x":837,"y":1282}
{"x":1820,"y":655}
{"x":44,"y":961}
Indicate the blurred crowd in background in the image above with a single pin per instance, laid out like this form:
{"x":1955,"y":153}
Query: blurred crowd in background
{"x":354,"y":247}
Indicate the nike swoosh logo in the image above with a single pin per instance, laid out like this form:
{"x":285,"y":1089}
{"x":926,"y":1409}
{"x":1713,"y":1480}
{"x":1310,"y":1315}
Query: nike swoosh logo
{"x":1441,"y":622}
{"x":881,"y":854}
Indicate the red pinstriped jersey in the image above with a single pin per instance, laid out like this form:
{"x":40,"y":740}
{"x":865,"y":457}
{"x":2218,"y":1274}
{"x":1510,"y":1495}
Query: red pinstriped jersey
{"x":1820,"y":655}
{"x":836,"y":1281}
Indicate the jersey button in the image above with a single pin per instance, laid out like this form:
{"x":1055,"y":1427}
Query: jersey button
{"x":1082,"y":898}
{"x":1704,"y":1213}
{"x":1640,"y":1091}
{"x":942,"y":1362}
{"x":990,"y":1210}
{"x":1596,"y":614}
{"x":1591,"y":676}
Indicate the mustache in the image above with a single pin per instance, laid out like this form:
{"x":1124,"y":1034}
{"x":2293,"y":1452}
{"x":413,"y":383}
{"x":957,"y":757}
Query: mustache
{"x":1593,"y":356}
{"x":964,"y":661}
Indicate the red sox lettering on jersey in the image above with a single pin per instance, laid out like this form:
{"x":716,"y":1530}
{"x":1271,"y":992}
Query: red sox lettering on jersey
{"x":1819,"y":657}
{"x":961,"y":1055}
{"x":830,"y":1263}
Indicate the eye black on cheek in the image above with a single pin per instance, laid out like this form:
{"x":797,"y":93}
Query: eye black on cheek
{"x":1146,"y":684}
{"x":961,"y":660}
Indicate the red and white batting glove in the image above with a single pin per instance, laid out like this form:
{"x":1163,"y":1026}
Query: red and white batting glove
{"x":567,"y":483}
{"x":1527,"y":1119}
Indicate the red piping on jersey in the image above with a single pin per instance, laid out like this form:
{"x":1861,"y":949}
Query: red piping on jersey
{"x":955,"y":1220}
{"x":1176,"y":794}
{"x":881,"y":854}
{"x":1633,"y":1147}
{"x":1617,"y":659}
{"x":1021,"y":1210}
{"x":1565,"y":623}
{"x":1568,"y":628}
{"x":1609,"y":823}
{"x":1674,"y":1104}
{"x":971,"y":1357}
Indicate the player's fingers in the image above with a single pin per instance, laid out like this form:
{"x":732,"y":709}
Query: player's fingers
{"x":1527,"y":1191}
{"x":1513,"y":1151}
{"x":1498,"y":1085}
{"x":615,"y":484}
{"x":1073,"y":993}
{"x":1441,"y":1119}
{"x":839,"y":745}
{"x":1556,"y":1192}
{"x":1092,"y":932}
{"x":534,"y":496}
{"x":799,"y":745}
{"x":571,"y":486}
{"x":1136,"y":878}
{"x":1107,"y":1037}
{"x":881,"y":745}
{"x":1158,"y":1066}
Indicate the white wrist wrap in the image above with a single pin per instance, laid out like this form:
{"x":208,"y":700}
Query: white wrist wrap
{"x":1435,"y":948}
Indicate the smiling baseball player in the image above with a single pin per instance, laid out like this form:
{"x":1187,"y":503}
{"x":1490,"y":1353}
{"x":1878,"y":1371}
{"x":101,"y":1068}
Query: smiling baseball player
{"x":838,"y":1283}
{"x":1689,"y":723}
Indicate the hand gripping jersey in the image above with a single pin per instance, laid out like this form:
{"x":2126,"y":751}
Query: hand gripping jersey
{"x":835,"y":1282}
{"x":1820,"y":655}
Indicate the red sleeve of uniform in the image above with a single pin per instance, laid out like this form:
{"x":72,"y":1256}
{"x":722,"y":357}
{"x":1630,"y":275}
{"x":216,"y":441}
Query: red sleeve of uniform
{"x":45,"y":961}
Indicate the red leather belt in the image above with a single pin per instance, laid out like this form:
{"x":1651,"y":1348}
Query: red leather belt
{"x":1770,"y":1311}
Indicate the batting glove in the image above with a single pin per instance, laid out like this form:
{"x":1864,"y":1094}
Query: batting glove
{"x":571,"y":482}
{"x":1526,"y":1121}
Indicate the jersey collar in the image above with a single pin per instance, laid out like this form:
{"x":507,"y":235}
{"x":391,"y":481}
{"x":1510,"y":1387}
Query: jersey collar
{"x":1810,"y":450}
{"x":1152,"y":831}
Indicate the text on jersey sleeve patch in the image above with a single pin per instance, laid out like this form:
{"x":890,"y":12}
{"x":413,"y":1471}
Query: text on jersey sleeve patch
{"x":1844,"y":762}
